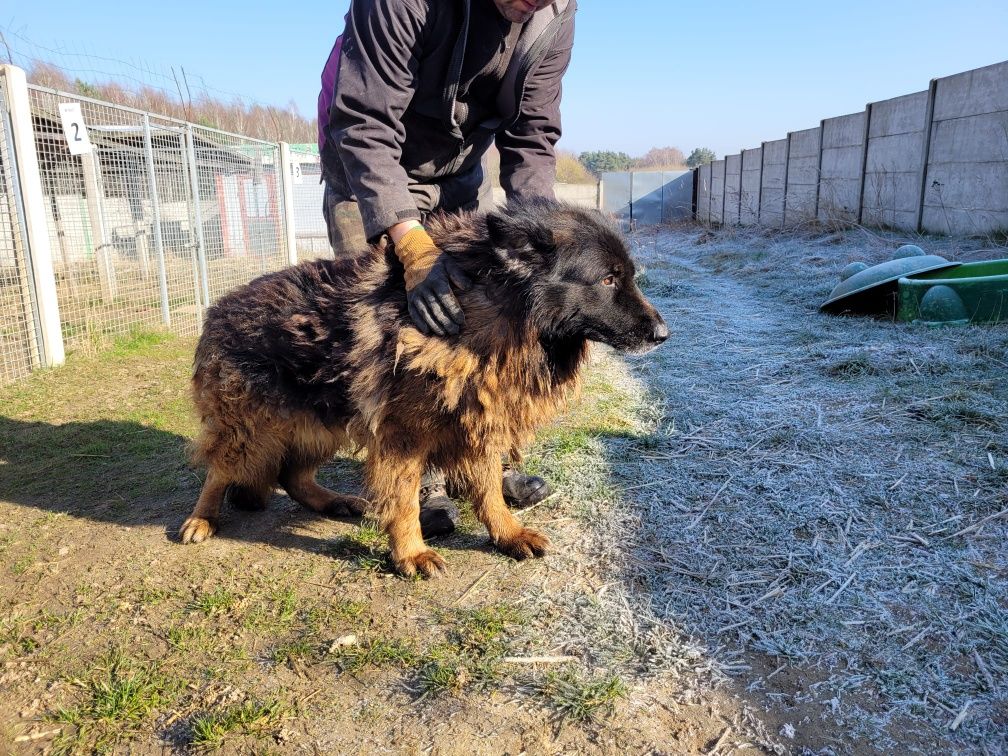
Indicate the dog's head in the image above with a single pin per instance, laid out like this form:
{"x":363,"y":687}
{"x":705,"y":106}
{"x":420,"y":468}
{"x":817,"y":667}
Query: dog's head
{"x":578,"y":273}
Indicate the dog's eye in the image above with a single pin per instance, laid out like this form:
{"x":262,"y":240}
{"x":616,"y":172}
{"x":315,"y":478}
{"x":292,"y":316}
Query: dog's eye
{"x":609,"y":280}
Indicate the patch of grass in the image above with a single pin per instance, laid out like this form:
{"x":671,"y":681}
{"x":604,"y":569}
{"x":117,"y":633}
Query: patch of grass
{"x":217,"y":602}
{"x":480,"y":630}
{"x":293,"y":650}
{"x":377,"y":653}
{"x":365,"y":547}
{"x":442,"y":675}
{"x":210,"y":730}
{"x":188,"y":639}
{"x":472,"y":655}
{"x":139,"y":342}
{"x":119,"y":695}
{"x":579,"y":699}
{"x":855,"y":366}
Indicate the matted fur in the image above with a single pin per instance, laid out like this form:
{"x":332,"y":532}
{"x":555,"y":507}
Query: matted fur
{"x":321,"y":356}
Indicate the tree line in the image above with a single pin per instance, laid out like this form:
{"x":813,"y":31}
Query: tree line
{"x":657,"y":158}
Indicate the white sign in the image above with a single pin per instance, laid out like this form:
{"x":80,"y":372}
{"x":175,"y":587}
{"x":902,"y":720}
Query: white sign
{"x":296,"y":173}
{"x":74,"y":129}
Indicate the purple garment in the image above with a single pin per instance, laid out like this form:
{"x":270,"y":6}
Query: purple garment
{"x":330,"y":73}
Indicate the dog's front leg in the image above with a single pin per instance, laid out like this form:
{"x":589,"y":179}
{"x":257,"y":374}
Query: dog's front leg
{"x":394,"y":481}
{"x":508,"y":534}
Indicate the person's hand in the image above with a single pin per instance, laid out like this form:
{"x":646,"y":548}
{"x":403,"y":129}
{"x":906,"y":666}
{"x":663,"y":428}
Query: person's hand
{"x":430,"y":275}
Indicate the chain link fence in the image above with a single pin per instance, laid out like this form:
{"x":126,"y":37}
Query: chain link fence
{"x":147,"y":219}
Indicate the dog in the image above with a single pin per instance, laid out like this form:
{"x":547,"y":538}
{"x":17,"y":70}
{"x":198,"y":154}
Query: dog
{"x":322,"y":356}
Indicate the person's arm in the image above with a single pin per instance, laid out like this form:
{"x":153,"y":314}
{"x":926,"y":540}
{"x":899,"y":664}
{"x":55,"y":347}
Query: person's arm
{"x":527,"y":147}
{"x":377,"y":80}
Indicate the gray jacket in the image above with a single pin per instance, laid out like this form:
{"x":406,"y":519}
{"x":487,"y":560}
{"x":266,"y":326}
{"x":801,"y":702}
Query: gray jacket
{"x":399,"y":140}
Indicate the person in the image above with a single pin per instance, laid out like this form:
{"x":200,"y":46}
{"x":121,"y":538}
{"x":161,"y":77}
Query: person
{"x":414,"y":93}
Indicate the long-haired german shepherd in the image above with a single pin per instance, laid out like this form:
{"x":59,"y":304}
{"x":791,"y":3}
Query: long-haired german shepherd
{"x":302,"y":362}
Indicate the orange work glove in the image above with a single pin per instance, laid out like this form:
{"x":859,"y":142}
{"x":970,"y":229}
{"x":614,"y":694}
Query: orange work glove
{"x":429,"y":277}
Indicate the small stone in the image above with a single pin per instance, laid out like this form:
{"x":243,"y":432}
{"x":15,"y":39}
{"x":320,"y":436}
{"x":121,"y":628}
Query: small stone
{"x":342,"y":642}
{"x":64,"y":551}
{"x":787,"y":731}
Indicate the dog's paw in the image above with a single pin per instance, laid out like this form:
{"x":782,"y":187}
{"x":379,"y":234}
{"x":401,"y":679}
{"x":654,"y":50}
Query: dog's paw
{"x":197,"y":529}
{"x":345,"y":506}
{"x":524,"y":544}
{"x":427,"y":563}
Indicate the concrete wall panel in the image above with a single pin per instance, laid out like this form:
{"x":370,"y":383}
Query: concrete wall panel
{"x":840,"y":167}
{"x":703,"y":194}
{"x":843,"y":131}
{"x":583,"y":195}
{"x":900,"y":115}
{"x":733,"y":189}
{"x":773,"y":183}
{"x":975,"y":139}
{"x":752,"y":169}
{"x":717,"y":191}
{"x":982,"y":90}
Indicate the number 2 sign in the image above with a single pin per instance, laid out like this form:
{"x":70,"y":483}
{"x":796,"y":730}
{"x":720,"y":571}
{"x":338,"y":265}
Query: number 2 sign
{"x":74,"y":129}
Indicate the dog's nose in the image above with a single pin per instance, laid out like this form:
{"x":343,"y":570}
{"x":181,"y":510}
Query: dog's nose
{"x":660,"y":332}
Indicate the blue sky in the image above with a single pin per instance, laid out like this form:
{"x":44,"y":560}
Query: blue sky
{"x":645,"y":73}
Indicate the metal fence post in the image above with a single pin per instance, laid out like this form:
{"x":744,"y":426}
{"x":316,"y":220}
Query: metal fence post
{"x":288,"y":203}
{"x":34,"y":204}
{"x":156,"y":210}
{"x":200,"y":241}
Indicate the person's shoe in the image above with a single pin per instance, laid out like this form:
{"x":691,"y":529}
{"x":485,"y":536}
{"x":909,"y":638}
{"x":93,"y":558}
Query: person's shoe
{"x":522,"y":490}
{"x":438,"y":513}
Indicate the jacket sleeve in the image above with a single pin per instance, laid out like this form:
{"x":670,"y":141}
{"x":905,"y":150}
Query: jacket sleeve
{"x":377,"y":80}
{"x":528,"y":159}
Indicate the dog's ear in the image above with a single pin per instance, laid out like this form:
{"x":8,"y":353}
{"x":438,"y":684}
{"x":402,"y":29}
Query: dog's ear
{"x":519,"y":234}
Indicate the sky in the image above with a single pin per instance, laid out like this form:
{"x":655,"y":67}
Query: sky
{"x":644,"y":73}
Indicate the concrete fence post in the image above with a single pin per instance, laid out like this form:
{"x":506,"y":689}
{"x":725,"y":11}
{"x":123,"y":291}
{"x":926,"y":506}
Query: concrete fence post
{"x":926,"y":152}
{"x":29,"y":179}
{"x":787,"y":166}
{"x":156,"y":210}
{"x":759,"y":198}
{"x":864,"y":160}
{"x":818,"y":180}
{"x":287,"y":182}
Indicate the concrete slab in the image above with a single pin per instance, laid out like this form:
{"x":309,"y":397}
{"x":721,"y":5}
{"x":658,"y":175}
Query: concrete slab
{"x":982,"y":90}
{"x":900,"y":115}
{"x":733,"y":188}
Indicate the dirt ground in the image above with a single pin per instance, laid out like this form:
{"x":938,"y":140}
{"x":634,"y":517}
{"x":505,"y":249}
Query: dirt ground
{"x":782,"y":532}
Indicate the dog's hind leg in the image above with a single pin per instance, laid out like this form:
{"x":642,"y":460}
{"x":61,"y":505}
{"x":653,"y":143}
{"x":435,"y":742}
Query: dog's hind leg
{"x":297,"y":476}
{"x":483,"y":475}
{"x":393,"y":478}
{"x":202,"y":523}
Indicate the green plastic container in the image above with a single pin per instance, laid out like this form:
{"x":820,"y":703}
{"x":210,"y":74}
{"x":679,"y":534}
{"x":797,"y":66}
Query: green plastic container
{"x":971,"y":293}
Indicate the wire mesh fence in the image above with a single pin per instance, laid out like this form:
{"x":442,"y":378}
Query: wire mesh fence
{"x":156,"y":221}
{"x":19,"y":352}
{"x":306,"y":205}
